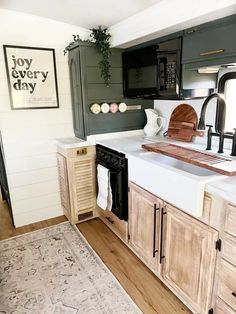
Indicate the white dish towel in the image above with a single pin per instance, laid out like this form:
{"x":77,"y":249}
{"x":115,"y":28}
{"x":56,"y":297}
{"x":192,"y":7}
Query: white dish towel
{"x":104,"y":198}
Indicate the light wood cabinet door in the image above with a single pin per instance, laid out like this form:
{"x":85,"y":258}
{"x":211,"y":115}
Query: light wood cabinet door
{"x":189,"y":262}
{"x":222,"y":308}
{"x":144,"y":225}
{"x":77,"y":179}
{"x":227,"y":283}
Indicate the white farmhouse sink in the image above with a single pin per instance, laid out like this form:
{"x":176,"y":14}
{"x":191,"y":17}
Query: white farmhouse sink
{"x":176,"y":182}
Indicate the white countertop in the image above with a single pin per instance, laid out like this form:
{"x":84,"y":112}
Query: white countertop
{"x":223,"y":186}
{"x":220,"y":185}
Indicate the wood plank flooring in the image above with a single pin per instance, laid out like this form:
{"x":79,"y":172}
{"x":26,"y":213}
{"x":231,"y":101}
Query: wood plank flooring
{"x":8,"y":231}
{"x":148,"y":292}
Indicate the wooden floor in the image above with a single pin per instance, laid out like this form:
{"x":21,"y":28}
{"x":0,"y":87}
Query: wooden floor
{"x":144,"y":288}
{"x":7,"y":230}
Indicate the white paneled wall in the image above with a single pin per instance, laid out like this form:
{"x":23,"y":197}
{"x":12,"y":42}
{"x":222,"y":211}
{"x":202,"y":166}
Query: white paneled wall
{"x":29,"y":136}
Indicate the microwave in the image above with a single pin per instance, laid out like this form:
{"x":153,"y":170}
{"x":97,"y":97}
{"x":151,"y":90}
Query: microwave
{"x":153,"y":71}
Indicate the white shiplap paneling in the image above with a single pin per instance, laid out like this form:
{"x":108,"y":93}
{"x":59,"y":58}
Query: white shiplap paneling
{"x":34,"y":190}
{"x":32,"y":216}
{"x":29,"y":136}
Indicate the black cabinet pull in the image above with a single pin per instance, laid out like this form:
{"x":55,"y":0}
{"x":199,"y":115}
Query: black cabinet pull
{"x":161,"y":236}
{"x":234,"y":294}
{"x":154,"y":230}
{"x":110,"y":220}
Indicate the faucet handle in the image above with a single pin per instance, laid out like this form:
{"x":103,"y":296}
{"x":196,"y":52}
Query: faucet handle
{"x":233,"y":150}
{"x":209,"y":135}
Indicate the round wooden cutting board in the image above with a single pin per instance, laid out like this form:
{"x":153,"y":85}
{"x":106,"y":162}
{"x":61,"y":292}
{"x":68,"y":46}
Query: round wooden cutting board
{"x":184,"y":113}
{"x":183,"y":122}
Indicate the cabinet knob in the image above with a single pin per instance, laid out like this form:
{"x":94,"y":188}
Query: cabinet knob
{"x":193,"y":30}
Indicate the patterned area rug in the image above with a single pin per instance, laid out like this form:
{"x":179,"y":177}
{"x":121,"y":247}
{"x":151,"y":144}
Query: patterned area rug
{"x":54,"y":270}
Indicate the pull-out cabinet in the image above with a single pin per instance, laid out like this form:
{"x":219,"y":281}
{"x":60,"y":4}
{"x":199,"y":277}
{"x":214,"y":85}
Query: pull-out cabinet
{"x":76,"y":169}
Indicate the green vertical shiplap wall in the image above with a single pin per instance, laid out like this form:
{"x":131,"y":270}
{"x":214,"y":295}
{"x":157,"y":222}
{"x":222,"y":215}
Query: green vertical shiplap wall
{"x":87,"y":88}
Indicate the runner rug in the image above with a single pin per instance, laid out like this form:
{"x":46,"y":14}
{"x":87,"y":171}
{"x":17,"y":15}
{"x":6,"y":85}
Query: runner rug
{"x":54,"y":270}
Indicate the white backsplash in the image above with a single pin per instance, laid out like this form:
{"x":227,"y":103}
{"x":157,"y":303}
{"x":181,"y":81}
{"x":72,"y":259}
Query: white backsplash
{"x":166,"y":107}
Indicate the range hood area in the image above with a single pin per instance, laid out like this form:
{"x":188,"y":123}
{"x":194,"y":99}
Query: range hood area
{"x":198,"y":82}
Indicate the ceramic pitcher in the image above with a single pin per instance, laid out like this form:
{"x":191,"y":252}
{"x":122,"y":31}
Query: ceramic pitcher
{"x":154,"y":122}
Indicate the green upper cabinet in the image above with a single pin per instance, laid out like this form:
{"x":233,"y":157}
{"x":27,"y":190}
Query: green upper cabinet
{"x":87,"y":88}
{"x":209,"y":44}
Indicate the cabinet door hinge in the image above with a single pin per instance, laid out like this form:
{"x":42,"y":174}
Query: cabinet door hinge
{"x":210,"y":311}
{"x":218,"y":245}
{"x":128,"y":236}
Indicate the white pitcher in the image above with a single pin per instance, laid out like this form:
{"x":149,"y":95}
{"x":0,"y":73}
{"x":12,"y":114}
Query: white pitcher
{"x":154,"y":122}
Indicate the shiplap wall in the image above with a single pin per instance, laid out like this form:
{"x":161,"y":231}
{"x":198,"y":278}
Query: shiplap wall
{"x":29,"y":136}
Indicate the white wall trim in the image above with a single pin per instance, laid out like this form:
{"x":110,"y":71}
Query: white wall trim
{"x":166,"y":17}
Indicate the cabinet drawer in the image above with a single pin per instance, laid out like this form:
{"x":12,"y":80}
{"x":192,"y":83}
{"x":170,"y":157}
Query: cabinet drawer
{"x":227,"y":284}
{"x":230,"y":220}
{"x":229,"y":249}
{"x":222,"y":308}
{"x":119,"y":227}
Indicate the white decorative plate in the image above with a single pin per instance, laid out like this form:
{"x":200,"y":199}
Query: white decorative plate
{"x":95,"y":108}
{"x":122,"y":107}
{"x":105,"y":107}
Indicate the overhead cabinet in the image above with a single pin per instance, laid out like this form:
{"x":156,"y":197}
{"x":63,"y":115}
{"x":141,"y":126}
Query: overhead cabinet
{"x":210,"y":44}
{"x":87,"y":88}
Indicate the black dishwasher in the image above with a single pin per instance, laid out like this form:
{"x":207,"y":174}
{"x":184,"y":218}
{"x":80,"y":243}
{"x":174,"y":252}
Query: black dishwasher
{"x":117,"y":164}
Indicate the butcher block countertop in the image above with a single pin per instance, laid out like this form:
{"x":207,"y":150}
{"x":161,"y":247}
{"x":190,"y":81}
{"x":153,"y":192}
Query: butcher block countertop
{"x":202,"y":159}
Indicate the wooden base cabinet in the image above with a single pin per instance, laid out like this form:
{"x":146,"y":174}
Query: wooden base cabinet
{"x":179,"y":249}
{"x":144,"y":225}
{"x":189,"y":262}
{"x":77,"y":179}
{"x":226,"y":273}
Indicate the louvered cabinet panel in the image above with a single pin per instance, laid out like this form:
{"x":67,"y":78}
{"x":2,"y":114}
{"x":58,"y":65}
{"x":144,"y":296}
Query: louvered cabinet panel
{"x":81,"y":173}
{"x":84,"y":184}
{"x":63,"y":184}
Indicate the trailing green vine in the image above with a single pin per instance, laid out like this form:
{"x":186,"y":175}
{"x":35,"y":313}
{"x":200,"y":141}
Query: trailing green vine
{"x":101,"y":38}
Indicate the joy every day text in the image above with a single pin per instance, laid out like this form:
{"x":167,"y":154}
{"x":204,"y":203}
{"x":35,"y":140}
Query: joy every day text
{"x":22,"y":73}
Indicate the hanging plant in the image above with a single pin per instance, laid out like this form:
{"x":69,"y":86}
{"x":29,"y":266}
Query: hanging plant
{"x":76,"y":38}
{"x":101,"y":39}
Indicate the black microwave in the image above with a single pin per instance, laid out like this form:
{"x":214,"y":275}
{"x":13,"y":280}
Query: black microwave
{"x":153,"y":71}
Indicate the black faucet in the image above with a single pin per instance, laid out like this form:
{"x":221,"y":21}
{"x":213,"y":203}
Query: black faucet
{"x":219,"y":122}
{"x":233,"y":150}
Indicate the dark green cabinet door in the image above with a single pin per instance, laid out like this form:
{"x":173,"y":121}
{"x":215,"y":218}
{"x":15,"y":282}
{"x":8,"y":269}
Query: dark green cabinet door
{"x":210,"y":44}
{"x":87,"y":88}
{"x":76,"y":93}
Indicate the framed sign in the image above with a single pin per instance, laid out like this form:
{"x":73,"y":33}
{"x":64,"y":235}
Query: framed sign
{"x":32,"y":79}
